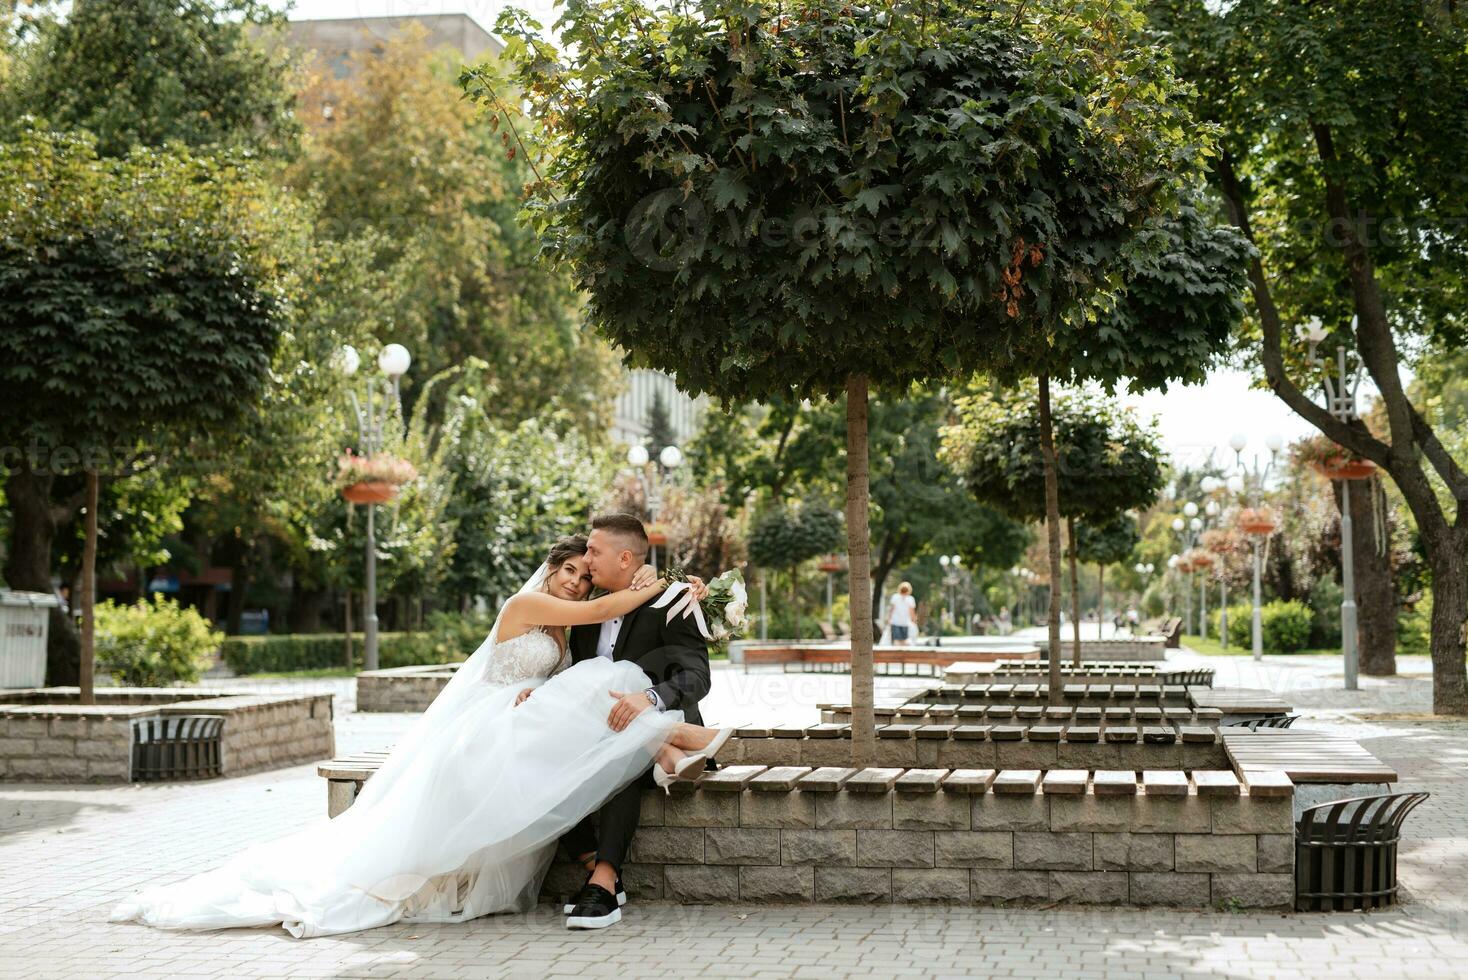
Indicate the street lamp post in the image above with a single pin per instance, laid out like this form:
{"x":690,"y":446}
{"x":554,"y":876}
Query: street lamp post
{"x":1340,"y":400}
{"x":951,"y":564}
{"x":670,"y":458}
{"x":1273,"y":442}
{"x":393,"y":362}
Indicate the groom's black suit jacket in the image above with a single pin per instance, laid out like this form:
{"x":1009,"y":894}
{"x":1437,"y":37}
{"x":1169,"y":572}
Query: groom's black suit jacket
{"x":674,"y":655}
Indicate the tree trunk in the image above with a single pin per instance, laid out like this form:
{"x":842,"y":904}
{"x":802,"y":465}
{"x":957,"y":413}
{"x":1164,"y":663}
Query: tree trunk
{"x":89,"y":596}
{"x":1075,"y":591}
{"x":795,"y":601}
{"x":347,"y":631}
{"x":1100,"y":600}
{"x":306,"y":609}
{"x":1376,"y":592}
{"x":1449,"y":643}
{"x":239,"y":584}
{"x":858,"y":548}
{"x":28,"y":566}
{"x":1052,"y":537}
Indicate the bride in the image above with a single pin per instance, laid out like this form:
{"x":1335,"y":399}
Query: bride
{"x":463,"y":816}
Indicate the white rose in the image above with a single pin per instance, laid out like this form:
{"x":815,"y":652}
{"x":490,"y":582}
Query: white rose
{"x":734,"y":611}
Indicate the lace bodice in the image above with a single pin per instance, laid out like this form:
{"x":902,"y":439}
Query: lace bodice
{"x":533,"y":655}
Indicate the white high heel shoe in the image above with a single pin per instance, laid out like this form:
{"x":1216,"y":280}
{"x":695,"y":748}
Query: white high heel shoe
{"x":694,"y":762}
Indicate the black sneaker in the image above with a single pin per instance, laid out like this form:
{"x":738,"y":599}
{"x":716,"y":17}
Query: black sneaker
{"x":596,"y":908}
{"x":570,"y":906}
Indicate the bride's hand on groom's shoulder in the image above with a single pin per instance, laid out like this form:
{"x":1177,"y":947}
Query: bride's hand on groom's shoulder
{"x":643,"y":578}
{"x":698,"y":587}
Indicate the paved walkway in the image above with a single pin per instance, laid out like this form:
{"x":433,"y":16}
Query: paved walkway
{"x":68,"y":852}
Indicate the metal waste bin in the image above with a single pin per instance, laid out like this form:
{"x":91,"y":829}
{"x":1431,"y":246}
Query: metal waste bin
{"x":24,"y":620}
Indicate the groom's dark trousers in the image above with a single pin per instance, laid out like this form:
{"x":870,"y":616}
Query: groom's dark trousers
{"x":675,"y":658}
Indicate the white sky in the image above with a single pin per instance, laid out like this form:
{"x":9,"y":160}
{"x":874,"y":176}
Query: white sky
{"x":1192,"y":420}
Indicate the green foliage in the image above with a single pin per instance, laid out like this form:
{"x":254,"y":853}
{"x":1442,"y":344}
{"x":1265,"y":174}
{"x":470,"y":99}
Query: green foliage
{"x":1414,"y":628}
{"x":448,"y":638}
{"x":515,"y":490}
{"x":918,"y":505}
{"x":1110,"y":542}
{"x":1106,"y":460}
{"x":766,"y":198}
{"x":462,"y":277}
{"x":1363,"y":97}
{"x":784,"y":537}
{"x":152,"y":71}
{"x":140,"y":298}
{"x":153,"y":644}
{"x":1284,"y":625}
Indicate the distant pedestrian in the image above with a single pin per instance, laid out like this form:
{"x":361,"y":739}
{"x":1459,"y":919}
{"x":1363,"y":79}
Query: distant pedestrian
{"x":900,"y":614}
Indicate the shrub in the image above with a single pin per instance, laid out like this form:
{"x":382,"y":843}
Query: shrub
{"x":448,"y":638}
{"x":1285,"y":625}
{"x":1414,"y":628}
{"x":1240,"y":625}
{"x":153,"y":645}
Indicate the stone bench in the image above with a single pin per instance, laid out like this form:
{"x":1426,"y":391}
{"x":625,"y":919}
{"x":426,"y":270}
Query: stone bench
{"x":751,"y":833}
{"x":1037,"y":692}
{"x":919,"y":713}
{"x":1006,"y":743}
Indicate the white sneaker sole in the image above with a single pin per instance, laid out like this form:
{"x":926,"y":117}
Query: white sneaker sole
{"x":570,"y":907}
{"x":594,"y":921}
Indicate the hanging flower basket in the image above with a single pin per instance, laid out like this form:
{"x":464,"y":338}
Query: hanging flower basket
{"x":1332,"y":461}
{"x":373,"y":479}
{"x":1199,"y":560}
{"x":1346,"y":469}
{"x":370,"y":492}
{"x":1257,"y":520}
{"x":831,"y":564}
{"x":657,"y":535}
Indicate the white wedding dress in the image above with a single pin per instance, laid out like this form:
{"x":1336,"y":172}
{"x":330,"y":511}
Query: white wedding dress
{"x":460,"y":821}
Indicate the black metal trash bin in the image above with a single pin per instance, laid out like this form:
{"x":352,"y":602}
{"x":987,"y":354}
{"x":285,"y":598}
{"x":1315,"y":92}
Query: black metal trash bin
{"x":177,"y":747}
{"x":1346,"y":852}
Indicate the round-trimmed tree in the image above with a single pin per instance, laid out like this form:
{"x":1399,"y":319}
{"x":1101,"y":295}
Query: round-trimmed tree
{"x":1103,"y":543}
{"x":1106,"y":462}
{"x":809,"y":198}
{"x":141,"y":302}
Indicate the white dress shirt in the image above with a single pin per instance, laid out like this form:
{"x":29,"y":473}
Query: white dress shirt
{"x":606,"y":644}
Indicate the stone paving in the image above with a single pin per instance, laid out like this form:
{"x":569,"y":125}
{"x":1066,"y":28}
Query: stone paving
{"x":68,"y":852}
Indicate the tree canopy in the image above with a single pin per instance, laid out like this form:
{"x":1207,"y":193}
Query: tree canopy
{"x":148,"y":72}
{"x":765,"y":199}
{"x":1107,"y":460}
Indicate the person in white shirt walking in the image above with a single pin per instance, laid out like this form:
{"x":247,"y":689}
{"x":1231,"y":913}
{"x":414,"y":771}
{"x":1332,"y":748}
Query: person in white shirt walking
{"x":900,"y":612}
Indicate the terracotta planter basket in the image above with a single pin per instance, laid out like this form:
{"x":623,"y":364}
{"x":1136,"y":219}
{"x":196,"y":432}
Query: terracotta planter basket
{"x":1362,"y":469}
{"x":370,"y":492}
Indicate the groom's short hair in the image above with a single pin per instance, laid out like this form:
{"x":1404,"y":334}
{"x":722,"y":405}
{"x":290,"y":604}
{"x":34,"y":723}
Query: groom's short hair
{"x":628,"y":529}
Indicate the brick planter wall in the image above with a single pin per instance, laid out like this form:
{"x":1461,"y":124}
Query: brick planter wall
{"x":793,"y":834}
{"x":58,"y":742}
{"x":401,"y":688}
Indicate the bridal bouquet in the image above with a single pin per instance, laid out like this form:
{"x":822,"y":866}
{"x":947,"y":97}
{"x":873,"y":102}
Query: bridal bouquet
{"x":721,"y":616}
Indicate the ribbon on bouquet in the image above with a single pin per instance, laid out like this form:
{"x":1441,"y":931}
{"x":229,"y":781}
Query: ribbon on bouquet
{"x":685,"y":604}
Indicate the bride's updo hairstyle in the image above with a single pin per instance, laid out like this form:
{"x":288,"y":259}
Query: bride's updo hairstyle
{"x":571,"y":546}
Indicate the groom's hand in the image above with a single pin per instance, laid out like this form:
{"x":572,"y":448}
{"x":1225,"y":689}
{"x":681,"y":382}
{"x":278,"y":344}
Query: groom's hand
{"x":628,"y":706}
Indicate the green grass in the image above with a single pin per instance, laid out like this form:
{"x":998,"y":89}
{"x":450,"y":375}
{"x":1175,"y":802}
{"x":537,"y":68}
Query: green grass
{"x":1211,"y":647}
{"x":313,"y":674}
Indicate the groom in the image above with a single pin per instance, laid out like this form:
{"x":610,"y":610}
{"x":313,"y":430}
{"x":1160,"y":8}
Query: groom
{"x":675,"y":658}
